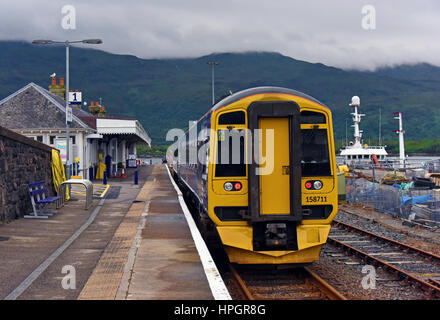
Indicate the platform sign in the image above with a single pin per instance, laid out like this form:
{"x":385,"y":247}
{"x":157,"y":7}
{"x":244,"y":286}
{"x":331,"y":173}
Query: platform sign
{"x":131,"y":161}
{"x":75,"y":97}
{"x":69,"y":115}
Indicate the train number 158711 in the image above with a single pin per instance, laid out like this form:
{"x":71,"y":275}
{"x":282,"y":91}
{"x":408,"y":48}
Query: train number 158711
{"x":316,"y":199}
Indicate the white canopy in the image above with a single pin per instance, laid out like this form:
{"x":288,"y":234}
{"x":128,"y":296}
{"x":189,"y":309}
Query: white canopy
{"x":122,"y":126}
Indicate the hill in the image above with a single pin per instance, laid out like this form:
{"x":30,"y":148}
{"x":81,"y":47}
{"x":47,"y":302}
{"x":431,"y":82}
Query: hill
{"x":167,"y":93}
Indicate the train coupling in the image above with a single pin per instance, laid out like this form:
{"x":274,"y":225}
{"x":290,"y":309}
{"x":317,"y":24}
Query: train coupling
{"x":276,"y":234}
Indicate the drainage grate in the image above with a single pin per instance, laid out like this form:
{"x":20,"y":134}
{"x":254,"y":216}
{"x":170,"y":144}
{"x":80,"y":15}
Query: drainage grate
{"x":4,"y":238}
{"x":113,"y":193}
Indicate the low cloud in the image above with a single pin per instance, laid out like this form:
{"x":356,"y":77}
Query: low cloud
{"x":323,"y":31}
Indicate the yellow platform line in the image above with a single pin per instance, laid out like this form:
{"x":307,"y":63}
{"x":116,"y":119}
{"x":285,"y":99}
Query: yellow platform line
{"x":98,"y":190}
{"x":105,"y":191}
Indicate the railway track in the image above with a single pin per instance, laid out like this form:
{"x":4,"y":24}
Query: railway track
{"x":287,"y":284}
{"x":416,"y":266}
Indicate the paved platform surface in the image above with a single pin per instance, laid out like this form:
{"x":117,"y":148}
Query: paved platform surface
{"x":135,"y":244}
{"x":162,"y":261}
{"x":30,"y":242}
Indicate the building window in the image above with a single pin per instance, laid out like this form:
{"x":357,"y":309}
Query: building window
{"x":73,"y":139}
{"x":52,"y":139}
{"x":39,"y":138}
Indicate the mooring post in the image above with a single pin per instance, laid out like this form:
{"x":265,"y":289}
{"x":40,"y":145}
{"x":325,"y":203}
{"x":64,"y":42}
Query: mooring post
{"x":136,"y":177}
{"x":104,"y":180}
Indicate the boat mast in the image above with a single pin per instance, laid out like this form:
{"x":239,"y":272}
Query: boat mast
{"x":356,"y":103}
{"x":398,"y":116}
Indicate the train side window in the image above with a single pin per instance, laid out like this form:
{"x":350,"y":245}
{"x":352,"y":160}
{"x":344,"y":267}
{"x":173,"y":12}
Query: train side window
{"x":316,"y":157}
{"x":230,"y":161}
{"x":236,"y":117}
{"x":311,"y":117}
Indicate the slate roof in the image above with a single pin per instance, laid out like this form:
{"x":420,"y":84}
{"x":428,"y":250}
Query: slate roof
{"x":33,"y":107}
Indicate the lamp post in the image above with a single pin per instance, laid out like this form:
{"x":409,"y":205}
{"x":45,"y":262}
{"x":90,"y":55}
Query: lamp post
{"x":67,"y":43}
{"x":213,"y":64}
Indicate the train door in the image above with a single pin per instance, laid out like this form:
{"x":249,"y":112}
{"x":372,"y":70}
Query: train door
{"x":275,"y":158}
{"x":274,"y":175}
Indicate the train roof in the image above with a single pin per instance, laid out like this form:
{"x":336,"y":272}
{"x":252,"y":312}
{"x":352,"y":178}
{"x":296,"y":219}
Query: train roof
{"x":259,"y":90}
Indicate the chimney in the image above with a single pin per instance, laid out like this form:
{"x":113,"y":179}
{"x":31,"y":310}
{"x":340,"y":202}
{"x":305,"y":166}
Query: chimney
{"x":102,"y":112}
{"x":94,"y":109}
{"x":58,"y":89}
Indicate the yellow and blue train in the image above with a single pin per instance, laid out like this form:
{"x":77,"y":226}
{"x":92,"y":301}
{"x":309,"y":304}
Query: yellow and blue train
{"x":264,"y":177}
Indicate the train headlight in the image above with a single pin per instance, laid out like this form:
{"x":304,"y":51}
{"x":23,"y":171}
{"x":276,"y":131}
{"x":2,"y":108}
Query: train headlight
{"x":228,"y":186}
{"x":317,"y":185}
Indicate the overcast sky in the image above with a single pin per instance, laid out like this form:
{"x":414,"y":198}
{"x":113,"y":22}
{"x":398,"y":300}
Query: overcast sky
{"x":327,"y":31}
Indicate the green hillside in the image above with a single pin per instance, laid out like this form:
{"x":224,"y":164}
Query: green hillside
{"x":167,"y":93}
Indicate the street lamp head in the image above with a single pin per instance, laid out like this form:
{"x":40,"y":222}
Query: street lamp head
{"x":213,"y":63}
{"x":92,"y":41}
{"x":67,"y":42}
{"x":42,"y":42}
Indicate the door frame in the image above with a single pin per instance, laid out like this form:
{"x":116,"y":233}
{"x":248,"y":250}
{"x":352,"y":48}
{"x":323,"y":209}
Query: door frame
{"x":276,"y":109}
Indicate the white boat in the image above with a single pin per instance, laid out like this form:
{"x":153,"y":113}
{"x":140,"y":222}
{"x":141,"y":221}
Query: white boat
{"x":357,"y":151}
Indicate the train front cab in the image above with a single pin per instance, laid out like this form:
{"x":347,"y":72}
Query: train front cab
{"x":281,"y":213}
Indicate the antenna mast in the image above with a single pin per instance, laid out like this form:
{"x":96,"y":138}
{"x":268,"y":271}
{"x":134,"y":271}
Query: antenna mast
{"x":356,"y":103}
{"x":401,"y":132}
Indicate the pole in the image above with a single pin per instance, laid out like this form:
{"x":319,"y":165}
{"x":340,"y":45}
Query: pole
{"x":212,"y":84}
{"x":374,"y":175}
{"x":380,"y":126}
{"x":346,"y":133}
{"x":67,"y":106}
{"x":213,"y":64}
{"x":401,"y":141}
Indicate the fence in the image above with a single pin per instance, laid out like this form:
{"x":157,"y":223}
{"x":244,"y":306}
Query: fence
{"x":399,"y":201}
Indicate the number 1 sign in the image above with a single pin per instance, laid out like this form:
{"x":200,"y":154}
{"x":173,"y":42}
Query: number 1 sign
{"x":75,"y":97}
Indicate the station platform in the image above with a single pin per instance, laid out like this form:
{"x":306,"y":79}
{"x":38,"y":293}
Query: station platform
{"x":135,"y":243}
{"x":162,"y":263}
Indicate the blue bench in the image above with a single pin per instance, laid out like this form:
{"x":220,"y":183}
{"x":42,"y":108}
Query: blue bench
{"x":39,"y":201}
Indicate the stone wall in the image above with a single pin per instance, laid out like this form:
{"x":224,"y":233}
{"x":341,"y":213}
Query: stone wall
{"x":22,"y":161}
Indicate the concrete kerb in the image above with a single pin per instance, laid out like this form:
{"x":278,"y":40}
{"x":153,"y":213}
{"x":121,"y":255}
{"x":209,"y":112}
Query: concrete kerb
{"x":218,"y":287}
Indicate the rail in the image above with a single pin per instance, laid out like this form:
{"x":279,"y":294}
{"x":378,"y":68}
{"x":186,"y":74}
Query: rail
{"x":430,"y":287}
{"x":313,"y":281}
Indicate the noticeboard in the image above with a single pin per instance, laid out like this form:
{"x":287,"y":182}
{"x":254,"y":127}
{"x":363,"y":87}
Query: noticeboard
{"x":61,"y":145}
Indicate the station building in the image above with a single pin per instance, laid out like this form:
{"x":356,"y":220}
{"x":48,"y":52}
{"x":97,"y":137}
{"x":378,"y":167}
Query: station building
{"x":40,"y":114}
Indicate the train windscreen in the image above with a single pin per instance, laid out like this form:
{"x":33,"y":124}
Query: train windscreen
{"x":230,"y":163}
{"x":315,"y":158}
